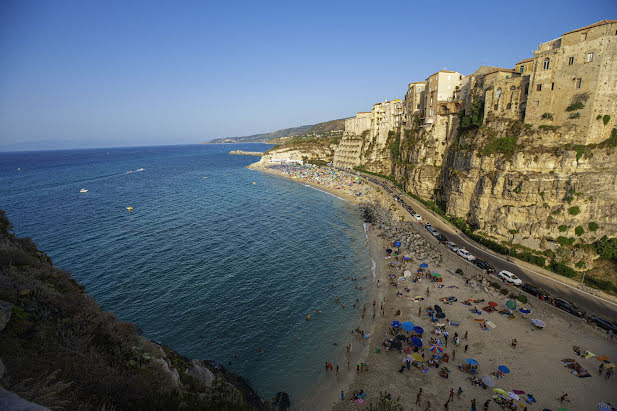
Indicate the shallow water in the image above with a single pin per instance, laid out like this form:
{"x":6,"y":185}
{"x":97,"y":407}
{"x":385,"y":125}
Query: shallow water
{"x":208,"y":262}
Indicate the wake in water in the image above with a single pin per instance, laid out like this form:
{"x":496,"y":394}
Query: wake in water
{"x":323,"y":191}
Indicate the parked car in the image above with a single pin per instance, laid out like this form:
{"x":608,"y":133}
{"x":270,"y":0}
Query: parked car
{"x":465,"y":254}
{"x":569,"y":307}
{"x":604,"y":323}
{"x":417,"y":217}
{"x":427,"y":225}
{"x":452,"y":246}
{"x":484,"y":265}
{"x":432,"y":231}
{"x":509,"y":277}
{"x":535,"y":290}
{"x":442,"y":238}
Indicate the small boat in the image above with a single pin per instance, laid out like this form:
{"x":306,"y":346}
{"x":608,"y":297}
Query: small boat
{"x":83,"y":190}
{"x":254,"y":183}
{"x":129,"y":208}
{"x":140,"y":169}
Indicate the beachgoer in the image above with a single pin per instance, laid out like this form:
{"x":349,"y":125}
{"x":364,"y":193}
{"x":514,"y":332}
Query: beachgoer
{"x":459,"y":392}
{"x":342,"y":395}
{"x":330,"y":366}
{"x":473,"y":405}
{"x":486,"y":404}
{"x":337,"y":369}
{"x":427,"y":292}
{"x":453,"y":354}
{"x":419,"y":396}
{"x":419,"y":311}
{"x":326,"y":365}
{"x":402,"y":369}
{"x":428,"y":406}
{"x":451,"y":397}
{"x":466,"y":346}
{"x":465,"y":337}
{"x":514,"y":342}
{"x":564,"y":397}
{"x":445,"y":406}
{"x":601,"y":368}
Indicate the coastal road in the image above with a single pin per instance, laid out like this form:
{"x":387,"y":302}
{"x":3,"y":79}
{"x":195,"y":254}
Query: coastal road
{"x":591,"y":304}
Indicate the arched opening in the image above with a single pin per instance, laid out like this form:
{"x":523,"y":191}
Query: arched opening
{"x":547,"y":63}
{"x":497,"y":98}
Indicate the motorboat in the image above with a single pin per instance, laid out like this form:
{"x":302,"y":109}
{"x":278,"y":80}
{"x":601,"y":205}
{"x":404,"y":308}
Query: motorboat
{"x":83,"y":190}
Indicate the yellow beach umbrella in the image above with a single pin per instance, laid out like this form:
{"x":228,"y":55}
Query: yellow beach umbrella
{"x":416,"y":356}
{"x":500,"y":391}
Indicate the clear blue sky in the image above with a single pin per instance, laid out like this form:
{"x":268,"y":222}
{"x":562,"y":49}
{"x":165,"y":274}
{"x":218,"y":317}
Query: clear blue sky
{"x":107,"y":73}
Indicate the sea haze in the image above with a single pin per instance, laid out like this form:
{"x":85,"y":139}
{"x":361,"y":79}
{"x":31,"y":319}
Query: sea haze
{"x":214,"y":260}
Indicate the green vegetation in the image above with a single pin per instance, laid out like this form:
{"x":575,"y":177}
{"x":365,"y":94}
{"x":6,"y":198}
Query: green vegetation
{"x":593,"y":226}
{"x":574,"y":115}
{"x":606,"y":119}
{"x":580,"y":264}
{"x":606,"y":248}
{"x":565,"y":241}
{"x":501,"y":145}
{"x":547,"y":116}
{"x":562,"y":269}
{"x":599,"y":117}
{"x":473,"y":119}
{"x":548,"y":127}
{"x":604,"y":285}
{"x":574,"y":210}
{"x":579,"y":231}
{"x":394,"y":143}
{"x":579,"y":105}
{"x":610,"y":142}
{"x":563,"y":228}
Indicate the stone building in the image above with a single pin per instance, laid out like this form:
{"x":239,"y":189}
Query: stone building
{"x":506,"y":93}
{"x":439,"y":90}
{"x":358,"y":124}
{"x":414,"y":98}
{"x":524,"y":67}
{"x":574,"y":82}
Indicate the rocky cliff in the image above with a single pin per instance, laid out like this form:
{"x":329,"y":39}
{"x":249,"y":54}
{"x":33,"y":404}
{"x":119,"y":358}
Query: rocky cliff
{"x":314,"y":150}
{"x":60,"y":350}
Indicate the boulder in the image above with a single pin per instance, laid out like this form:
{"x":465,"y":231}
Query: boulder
{"x":200,"y":372}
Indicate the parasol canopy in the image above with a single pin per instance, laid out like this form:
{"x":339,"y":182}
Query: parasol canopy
{"x":504,"y":369}
{"x":538,"y":323}
{"x":408,"y":326}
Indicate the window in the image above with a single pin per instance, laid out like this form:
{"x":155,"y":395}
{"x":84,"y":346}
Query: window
{"x":552,"y":86}
{"x":584,"y":36}
{"x":526,"y":89}
{"x":419,"y":89}
{"x":589,"y":57}
{"x":539,"y":87}
{"x":418,"y":106}
{"x":521,"y":69}
{"x":570,"y":61}
{"x":547,"y":63}
{"x":579,"y":81}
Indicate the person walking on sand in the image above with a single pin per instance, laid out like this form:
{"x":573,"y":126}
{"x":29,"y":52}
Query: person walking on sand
{"x":486,"y":404}
{"x":419,"y":396}
{"x":451,"y":397}
{"x":342,"y":395}
{"x":459,"y":392}
{"x":419,"y":311}
{"x":326,"y":366}
{"x":601,"y":368}
{"x":428,"y":406}
{"x":466,"y":346}
{"x":473,"y":405}
{"x":453,"y":354}
{"x":564,"y":397}
{"x":514,"y":342}
{"x":465,"y":337}
{"x":445,"y":406}
{"x":337,"y":369}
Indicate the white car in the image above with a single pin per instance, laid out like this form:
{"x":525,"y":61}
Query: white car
{"x":509,"y":277}
{"x":452,"y":246}
{"x":417,"y":217}
{"x":465,"y":254}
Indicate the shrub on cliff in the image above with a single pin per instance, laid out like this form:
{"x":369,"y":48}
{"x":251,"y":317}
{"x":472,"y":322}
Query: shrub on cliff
{"x":607,"y":248}
{"x":505,"y":146}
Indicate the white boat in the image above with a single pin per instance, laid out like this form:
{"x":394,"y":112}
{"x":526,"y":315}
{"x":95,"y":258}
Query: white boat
{"x":83,"y":190}
{"x":140,"y":169}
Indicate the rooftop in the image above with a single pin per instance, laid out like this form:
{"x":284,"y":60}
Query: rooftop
{"x":525,"y":61}
{"x":599,"y":23}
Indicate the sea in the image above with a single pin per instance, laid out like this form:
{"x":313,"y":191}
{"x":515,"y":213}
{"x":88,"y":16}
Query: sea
{"x":217,"y":261}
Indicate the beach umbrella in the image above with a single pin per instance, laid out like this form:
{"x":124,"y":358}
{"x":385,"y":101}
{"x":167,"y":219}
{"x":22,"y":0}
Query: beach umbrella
{"x":388,"y":250}
{"x":407,"y":273}
{"x":440,"y":315}
{"x":395,"y":324}
{"x":513,"y":396}
{"x":406,"y":258}
{"x":397,"y":243}
{"x":401,"y":337}
{"x":406,"y":359}
{"x":471,"y":361}
{"x":524,"y":310}
{"x":440,"y":325}
{"x":408,"y":326}
{"x":418,"y":330}
{"x":437,"y":308}
{"x":609,"y":365}
{"x":416,"y":356}
{"x":511,"y":304}
{"x":436,"y":348}
{"x":603,"y":358}
{"x":538,"y":323}
{"x":504,"y":369}
{"x":488,"y":381}
{"x":500,"y":391}
{"x":416,"y":341}
{"x":436,"y":275}
{"x":492,"y":303}
{"x":424,"y":265}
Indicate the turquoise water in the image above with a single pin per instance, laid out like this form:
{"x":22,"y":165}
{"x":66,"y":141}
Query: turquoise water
{"x":210,"y":266}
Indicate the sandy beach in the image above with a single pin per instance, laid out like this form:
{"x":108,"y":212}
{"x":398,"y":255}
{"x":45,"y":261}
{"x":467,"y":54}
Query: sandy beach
{"x":537,"y":375}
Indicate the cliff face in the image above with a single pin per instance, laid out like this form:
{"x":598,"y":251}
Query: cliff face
{"x":321,"y":150}
{"x":60,"y":350}
{"x":510,"y":180}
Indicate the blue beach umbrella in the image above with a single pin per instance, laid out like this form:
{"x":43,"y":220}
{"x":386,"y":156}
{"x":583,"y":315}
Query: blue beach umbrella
{"x":388,"y":250}
{"x":416,"y":341}
{"x":395,"y":324}
{"x":408,"y":326}
{"x":524,"y":310}
{"x":424,"y":265}
{"x":471,"y":361}
{"x":397,"y":243}
{"x":406,"y":258}
{"x":418,"y":330}
{"x":504,"y":369}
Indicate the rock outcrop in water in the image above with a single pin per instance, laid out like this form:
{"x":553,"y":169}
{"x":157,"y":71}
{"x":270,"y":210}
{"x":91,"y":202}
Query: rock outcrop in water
{"x":60,"y":350}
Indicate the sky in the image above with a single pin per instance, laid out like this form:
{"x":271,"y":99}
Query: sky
{"x":108,"y":73}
